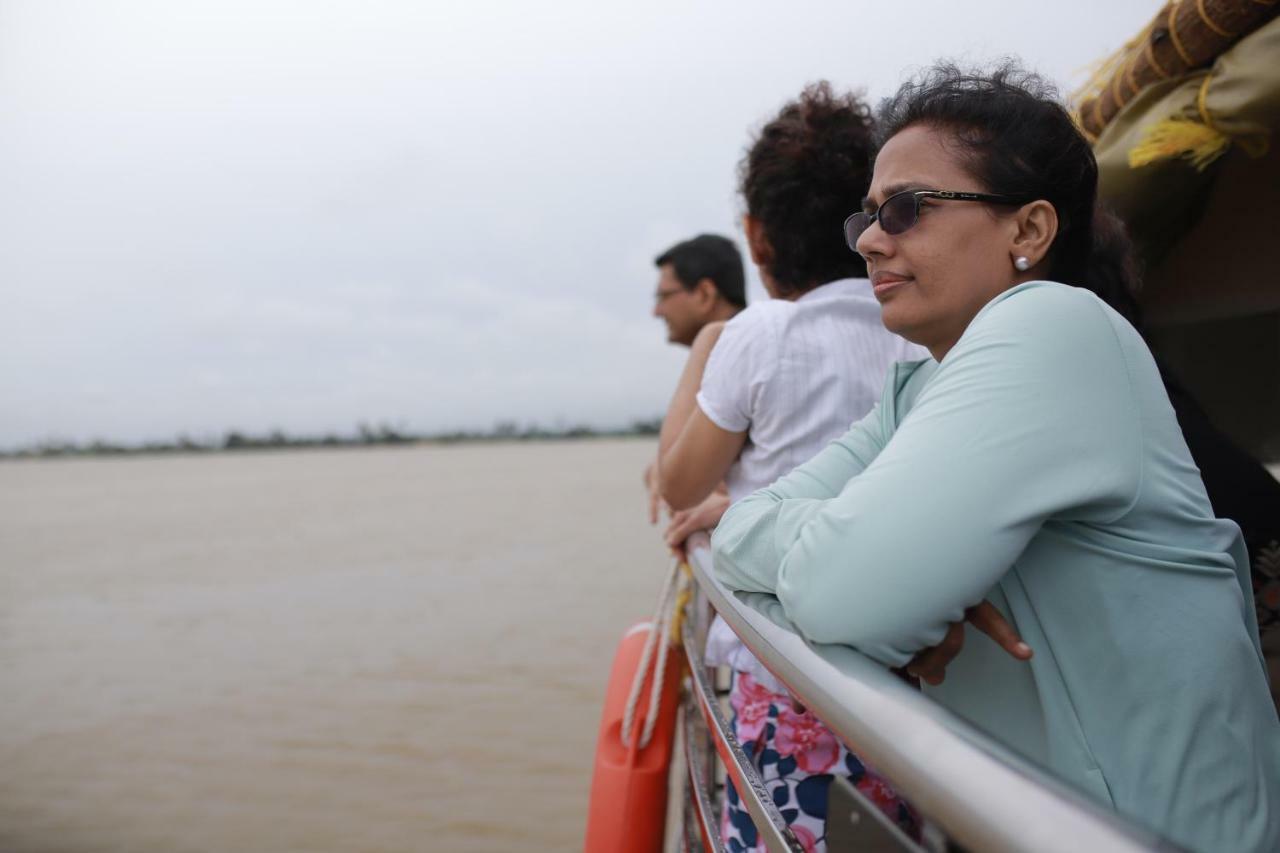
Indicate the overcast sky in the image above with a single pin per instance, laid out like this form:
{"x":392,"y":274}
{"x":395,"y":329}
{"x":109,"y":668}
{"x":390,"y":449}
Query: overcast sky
{"x":258,"y":215}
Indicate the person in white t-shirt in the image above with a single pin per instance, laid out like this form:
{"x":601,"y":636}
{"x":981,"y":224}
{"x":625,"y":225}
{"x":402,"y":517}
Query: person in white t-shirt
{"x":765,"y":391}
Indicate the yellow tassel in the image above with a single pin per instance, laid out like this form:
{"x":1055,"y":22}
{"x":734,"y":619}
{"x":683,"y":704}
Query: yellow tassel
{"x":1179,"y":137}
{"x":683,"y":596}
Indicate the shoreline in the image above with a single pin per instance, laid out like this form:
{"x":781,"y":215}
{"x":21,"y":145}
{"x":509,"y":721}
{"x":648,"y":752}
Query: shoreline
{"x":237,"y":442}
{"x":187,"y":452}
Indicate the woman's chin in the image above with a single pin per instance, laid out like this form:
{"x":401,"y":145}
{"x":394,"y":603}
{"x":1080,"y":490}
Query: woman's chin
{"x":895,"y":319}
{"x":904,"y":324}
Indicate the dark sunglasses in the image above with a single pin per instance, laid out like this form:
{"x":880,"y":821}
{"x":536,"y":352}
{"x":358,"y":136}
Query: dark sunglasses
{"x":902,"y":210}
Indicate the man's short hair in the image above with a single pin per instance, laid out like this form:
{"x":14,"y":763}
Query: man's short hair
{"x":708,"y":256}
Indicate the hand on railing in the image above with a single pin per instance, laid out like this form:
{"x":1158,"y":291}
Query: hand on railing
{"x":685,"y":522}
{"x":930,"y":665}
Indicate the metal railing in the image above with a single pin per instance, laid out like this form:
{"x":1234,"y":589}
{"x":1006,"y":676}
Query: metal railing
{"x":970,"y":790}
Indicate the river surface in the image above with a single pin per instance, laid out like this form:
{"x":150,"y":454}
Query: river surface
{"x":387,"y":649}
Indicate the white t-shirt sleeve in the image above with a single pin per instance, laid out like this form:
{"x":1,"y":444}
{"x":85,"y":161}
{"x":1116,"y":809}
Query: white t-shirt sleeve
{"x":737,"y":371}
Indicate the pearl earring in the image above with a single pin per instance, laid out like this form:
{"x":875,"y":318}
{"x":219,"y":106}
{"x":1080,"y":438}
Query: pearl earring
{"x":1022,"y":263}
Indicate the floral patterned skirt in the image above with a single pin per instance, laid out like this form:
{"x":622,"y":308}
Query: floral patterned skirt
{"x":797,"y":757}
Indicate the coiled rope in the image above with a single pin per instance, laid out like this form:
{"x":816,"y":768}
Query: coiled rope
{"x":666,"y":619}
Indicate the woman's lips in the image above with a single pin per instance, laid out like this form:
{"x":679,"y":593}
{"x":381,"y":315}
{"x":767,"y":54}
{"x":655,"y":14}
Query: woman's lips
{"x":883,"y":283}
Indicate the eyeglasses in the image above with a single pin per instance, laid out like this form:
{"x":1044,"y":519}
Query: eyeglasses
{"x":661,"y":296}
{"x":901,"y":211}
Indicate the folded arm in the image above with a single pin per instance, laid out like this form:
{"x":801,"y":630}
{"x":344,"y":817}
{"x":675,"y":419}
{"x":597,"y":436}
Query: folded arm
{"x":1013,"y":428}
{"x":751,"y":540}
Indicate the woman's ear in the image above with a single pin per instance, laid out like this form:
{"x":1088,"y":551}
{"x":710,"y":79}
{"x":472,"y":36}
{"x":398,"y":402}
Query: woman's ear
{"x":1036,"y":226}
{"x":757,"y":243}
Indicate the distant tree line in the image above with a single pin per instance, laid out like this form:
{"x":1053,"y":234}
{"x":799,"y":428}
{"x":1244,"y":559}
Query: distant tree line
{"x":365,"y":435}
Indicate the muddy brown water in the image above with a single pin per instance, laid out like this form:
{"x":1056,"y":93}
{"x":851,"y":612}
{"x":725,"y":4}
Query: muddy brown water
{"x":387,"y":649}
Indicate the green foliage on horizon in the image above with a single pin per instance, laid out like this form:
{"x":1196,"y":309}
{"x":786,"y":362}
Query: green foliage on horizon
{"x":365,"y":435}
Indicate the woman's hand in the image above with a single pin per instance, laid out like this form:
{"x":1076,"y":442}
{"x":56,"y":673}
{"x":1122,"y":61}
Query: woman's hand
{"x":930,"y":665}
{"x":704,"y":516}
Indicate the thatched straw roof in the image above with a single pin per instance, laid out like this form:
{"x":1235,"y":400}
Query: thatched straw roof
{"x":1184,"y":122}
{"x":1179,"y":143}
{"x":1184,"y":36}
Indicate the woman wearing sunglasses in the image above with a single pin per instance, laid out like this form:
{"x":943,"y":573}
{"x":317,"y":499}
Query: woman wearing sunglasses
{"x":1034,"y":461}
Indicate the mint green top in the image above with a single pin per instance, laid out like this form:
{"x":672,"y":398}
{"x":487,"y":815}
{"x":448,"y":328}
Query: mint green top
{"x":1040,"y":466}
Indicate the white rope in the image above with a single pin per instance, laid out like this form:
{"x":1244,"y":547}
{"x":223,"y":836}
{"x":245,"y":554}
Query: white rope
{"x":657,"y":638}
{"x":655,"y":633}
{"x":663,"y":631}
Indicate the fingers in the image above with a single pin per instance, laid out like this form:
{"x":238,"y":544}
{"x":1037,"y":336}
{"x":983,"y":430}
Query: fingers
{"x":686,"y":522}
{"x":987,"y":619}
{"x":653,"y":506}
{"x":682,"y":524}
{"x":710,"y":511}
{"x":698,"y":519}
{"x":930,"y":666}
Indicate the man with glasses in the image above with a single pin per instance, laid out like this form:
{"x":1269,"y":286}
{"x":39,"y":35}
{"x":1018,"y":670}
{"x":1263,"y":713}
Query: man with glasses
{"x":700,"y":282}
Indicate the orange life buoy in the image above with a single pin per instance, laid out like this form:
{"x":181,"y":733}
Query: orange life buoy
{"x":628,"y":807}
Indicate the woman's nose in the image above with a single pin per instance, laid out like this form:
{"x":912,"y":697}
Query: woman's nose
{"x":874,"y":241}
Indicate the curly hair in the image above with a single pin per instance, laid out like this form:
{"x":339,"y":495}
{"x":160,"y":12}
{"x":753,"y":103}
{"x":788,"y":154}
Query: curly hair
{"x":803,"y":174}
{"x":1014,"y":136}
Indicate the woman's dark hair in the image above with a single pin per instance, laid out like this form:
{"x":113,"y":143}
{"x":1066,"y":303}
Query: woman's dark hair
{"x":805,"y":172}
{"x":1115,"y":273}
{"x":1015,"y":137}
